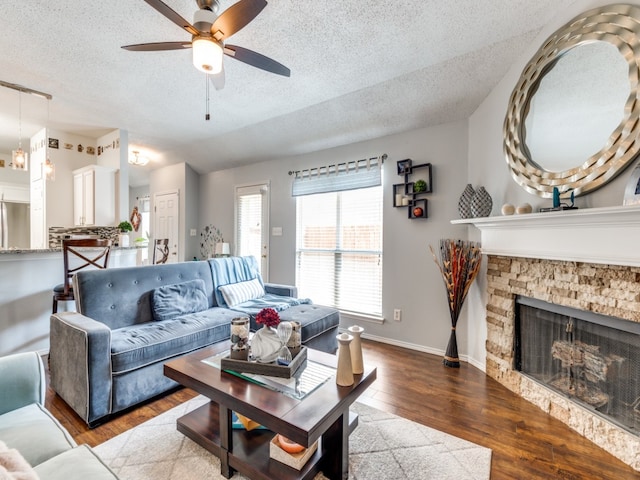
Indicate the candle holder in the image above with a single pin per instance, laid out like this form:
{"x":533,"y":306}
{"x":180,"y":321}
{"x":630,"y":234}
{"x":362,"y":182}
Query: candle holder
{"x":240,"y":338}
{"x":344,"y":373}
{"x":357,"y":363}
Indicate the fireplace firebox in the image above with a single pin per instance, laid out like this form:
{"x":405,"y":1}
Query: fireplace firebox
{"x":592,"y":359}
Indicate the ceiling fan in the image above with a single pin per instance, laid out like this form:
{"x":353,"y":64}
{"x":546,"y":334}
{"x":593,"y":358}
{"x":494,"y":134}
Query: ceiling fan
{"x":209,"y":32}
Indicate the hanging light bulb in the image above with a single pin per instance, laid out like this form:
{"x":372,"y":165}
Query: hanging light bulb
{"x":48,"y":167}
{"x":49,"y":170}
{"x":19,"y":158}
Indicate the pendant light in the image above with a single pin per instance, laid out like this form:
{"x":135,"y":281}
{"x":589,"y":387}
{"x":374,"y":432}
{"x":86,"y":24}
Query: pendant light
{"x":138,"y":159}
{"x":48,"y":167}
{"x":19,"y":158}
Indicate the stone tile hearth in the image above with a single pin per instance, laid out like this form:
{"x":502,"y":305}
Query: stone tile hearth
{"x":605,"y":289}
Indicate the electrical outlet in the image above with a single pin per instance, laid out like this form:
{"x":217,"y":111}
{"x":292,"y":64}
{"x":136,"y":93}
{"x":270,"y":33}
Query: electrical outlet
{"x":397,"y":314}
{"x":193,"y":232}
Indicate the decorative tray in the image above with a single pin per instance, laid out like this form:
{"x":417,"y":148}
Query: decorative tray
{"x":268,"y":369}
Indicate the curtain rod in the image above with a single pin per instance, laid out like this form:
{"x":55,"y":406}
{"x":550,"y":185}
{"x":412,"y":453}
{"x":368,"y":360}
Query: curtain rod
{"x":383,"y":157}
{"x":20,"y":88}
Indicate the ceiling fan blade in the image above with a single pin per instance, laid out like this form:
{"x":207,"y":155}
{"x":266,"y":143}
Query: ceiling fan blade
{"x":172,"y":15}
{"x":154,"y":47}
{"x":256,"y":59}
{"x":236,"y":17}
{"x":218,"y":79}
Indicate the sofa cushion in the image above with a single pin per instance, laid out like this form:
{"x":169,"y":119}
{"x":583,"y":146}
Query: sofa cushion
{"x":170,"y":301}
{"x":225,"y":271}
{"x":237,"y":293}
{"x":79,"y":462}
{"x":35,"y":433}
{"x":140,"y":345}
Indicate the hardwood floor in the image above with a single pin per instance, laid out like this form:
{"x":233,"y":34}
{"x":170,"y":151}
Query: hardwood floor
{"x":526,"y":443}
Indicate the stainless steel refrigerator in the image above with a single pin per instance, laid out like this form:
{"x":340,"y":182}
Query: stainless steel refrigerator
{"x":14,"y":225}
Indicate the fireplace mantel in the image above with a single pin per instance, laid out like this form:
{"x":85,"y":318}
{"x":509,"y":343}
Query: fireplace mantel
{"x":600,"y":235}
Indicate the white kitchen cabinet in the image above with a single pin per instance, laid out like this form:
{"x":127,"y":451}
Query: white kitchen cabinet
{"x":94,"y":196}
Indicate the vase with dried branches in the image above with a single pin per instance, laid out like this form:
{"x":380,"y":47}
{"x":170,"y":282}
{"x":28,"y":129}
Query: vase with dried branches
{"x":459,"y":263}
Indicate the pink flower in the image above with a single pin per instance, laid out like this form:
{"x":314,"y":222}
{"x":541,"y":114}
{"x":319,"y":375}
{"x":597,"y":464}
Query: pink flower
{"x":268,"y":317}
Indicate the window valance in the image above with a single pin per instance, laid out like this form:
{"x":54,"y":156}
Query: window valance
{"x":338,"y":177}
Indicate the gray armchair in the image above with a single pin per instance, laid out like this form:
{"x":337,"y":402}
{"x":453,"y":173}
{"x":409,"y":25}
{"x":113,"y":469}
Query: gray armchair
{"x":27,"y":426}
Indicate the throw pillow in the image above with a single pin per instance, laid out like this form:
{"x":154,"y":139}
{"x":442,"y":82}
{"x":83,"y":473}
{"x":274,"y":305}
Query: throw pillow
{"x":237,"y":293}
{"x":170,"y":301}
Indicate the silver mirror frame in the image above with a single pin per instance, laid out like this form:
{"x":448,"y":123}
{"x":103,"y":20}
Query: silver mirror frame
{"x":618,"y":25}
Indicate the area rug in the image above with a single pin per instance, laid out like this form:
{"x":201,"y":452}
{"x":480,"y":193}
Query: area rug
{"x":382,"y":447}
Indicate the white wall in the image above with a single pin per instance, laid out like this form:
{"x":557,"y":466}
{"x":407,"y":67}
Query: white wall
{"x":411,"y":280}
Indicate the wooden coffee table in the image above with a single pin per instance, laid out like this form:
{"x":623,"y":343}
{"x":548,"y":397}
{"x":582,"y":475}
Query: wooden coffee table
{"x":321,"y":415}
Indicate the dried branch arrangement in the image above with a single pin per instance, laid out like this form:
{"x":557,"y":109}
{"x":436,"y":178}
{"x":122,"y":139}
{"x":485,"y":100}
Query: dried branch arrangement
{"x":459,"y":263}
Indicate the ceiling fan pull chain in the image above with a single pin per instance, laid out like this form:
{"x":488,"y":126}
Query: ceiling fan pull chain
{"x":207,"y":117}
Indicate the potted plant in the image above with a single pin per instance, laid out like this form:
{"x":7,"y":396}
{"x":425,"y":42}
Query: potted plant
{"x":420,"y":186}
{"x":125,"y":227}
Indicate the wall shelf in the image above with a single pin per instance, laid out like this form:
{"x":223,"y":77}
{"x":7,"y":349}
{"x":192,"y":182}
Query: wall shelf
{"x":405,"y":193}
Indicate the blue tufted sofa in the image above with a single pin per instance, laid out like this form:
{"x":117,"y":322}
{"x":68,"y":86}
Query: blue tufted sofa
{"x":109,"y":355}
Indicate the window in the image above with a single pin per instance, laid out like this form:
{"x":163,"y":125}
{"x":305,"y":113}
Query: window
{"x":339,"y":249}
{"x":252,"y":223}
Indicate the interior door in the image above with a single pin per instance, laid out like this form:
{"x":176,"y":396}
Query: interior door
{"x":166,"y":221}
{"x":252,"y":224}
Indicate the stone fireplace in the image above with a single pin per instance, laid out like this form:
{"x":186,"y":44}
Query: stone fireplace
{"x":610,"y":290}
{"x":586,"y":259}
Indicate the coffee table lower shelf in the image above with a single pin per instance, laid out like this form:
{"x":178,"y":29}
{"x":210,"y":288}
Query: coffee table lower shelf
{"x":250,"y":454}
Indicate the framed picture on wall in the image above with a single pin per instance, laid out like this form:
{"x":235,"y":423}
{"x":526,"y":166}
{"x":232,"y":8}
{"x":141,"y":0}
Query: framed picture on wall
{"x":632,"y":191}
{"x":404,"y":166}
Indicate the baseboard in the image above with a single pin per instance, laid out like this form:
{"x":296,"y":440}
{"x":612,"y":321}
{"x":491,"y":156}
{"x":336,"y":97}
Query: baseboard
{"x":420,"y":348}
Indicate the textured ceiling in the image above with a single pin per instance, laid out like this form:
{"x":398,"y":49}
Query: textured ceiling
{"x":359,"y":70}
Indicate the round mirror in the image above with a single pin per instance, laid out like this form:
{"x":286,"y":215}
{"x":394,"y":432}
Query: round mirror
{"x":578,"y":104}
{"x":572,"y":121}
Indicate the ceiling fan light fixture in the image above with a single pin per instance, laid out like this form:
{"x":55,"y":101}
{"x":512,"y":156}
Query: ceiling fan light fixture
{"x":207,"y":55}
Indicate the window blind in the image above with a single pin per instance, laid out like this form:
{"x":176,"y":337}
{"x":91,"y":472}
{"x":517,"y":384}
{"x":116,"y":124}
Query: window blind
{"x":338,"y":177}
{"x":249,"y":221}
{"x":339,"y":249}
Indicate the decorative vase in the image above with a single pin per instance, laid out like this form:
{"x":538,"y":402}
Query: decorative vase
{"x":344,"y":373}
{"x":265,"y":345}
{"x":123,"y":239}
{"x":239,"y":338}
{"x":481,"y":203}
{"x":464,"y":203}
{"x":357,"y":364}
